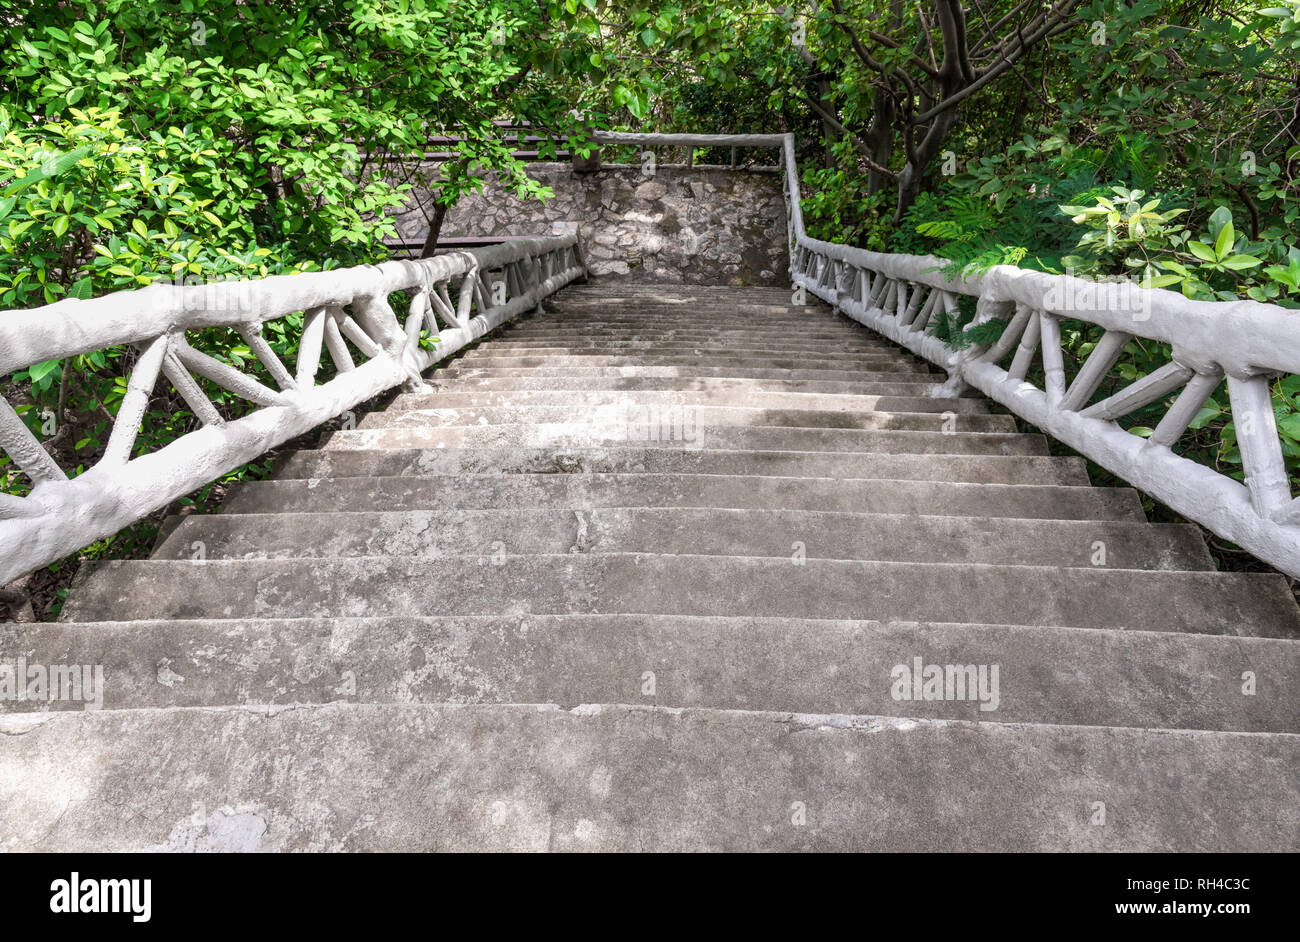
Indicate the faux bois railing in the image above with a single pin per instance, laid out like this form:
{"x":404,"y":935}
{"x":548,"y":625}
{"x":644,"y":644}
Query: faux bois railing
{"x":346,"y":313}
{"x":1246,"y":342}
{"x":897,"y":295}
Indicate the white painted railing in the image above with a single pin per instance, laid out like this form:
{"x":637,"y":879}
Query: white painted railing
{"x":1247,"y":342}
{"x":346,"y":314}
{"x":897,"y":295}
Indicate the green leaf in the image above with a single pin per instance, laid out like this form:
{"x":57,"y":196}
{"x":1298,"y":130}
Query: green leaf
{"x":1289,"y":425}
{"x":1162,"y":281}
{"x":1223,"y":244}
{"x":1205,"y":416}
{"x":1218,"y":219}
{"x":50,"y":168}
{"x":39,"y":371}
{"x":1239,"y":262}
{"x":1202,"y":251}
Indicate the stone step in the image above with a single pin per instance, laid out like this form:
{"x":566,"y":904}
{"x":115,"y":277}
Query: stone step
{"x":630,"y":340}
{"x":1248,"y":604}
{"x":1085,"y":677}
{"x":671,"y":317}
{"x":508,"y":381}
{"x":834,"y":342}
{"x":721,"y":312}
{"x":751,"y":399}
{"x":718,"y":302}
{"x":609,"y":291}
{"x":766,"y":331}
{"x":735,"y":300}
{"x":792,"y":323}
{"x":367,"y":777}
{"x":643,"y":418}
{"x":654,"y":354}
{"x":597,"y":345}
{"x":982,"y":469}
{"x":701,"y":307}
{"x":682,"y":433}
{"x":699,"y":315}
{"x":606,"y":288}
{"x":823,"y":338}
{"x":719,"y":491}
{"x":480,"y":360}
{"x":456,"y":371}
{"x":701,"y":532}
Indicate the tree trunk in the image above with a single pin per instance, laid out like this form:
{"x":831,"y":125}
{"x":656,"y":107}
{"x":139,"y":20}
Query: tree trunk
{"x":435,"y":229}
{"x":880,"y":139}
{"x":909,"y":181}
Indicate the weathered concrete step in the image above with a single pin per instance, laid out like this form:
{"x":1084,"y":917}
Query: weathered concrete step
{"x":691,"y":417}
{"x":680,"y":294}
{"x":625,"y":355}
{"x":485,"y":360}
{"x":360,"y":777}
{"x":804,"y":336}
{"x":703,"y":310}
{"x":611,"y":288}
{"x":1085,"y":677}
{"x":504,"y":345}
{"x":673,"y":318}
{"x":797,"y":327}
{"x":507,"y":380}
{"x":704,"y":306}
{"x":825,"y":337}
{"x":1248,"y":604}
{"x":720,"y":302}
{"x":697,"y":370}
{"x":699,"y":301}
{"x":675,"y":315}
{"x":670,"y":433}
{"x":496,"y":491}
{"x":702,"y":532}
{"x":699,"y":305}
{"x":448,"y":398}
{"x":722,"y":312}
{"x":980,"y":469}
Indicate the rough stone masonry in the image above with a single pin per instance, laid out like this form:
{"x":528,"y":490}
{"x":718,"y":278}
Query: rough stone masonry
{"x":679,"y":225}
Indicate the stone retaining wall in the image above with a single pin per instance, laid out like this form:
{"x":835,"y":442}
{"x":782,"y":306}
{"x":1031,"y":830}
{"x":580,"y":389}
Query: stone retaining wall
{"x":682,"y":225}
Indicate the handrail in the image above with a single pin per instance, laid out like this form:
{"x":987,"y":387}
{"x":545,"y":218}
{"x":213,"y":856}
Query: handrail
{"x":345,"y":312}
{"x":897,"y":295}
{"x":1247,"y":342}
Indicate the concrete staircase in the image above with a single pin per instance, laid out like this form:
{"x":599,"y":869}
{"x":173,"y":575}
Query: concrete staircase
{"x":643,"y":573}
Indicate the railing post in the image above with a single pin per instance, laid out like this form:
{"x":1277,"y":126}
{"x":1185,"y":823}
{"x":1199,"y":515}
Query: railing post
{"x":1261,"y":449}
